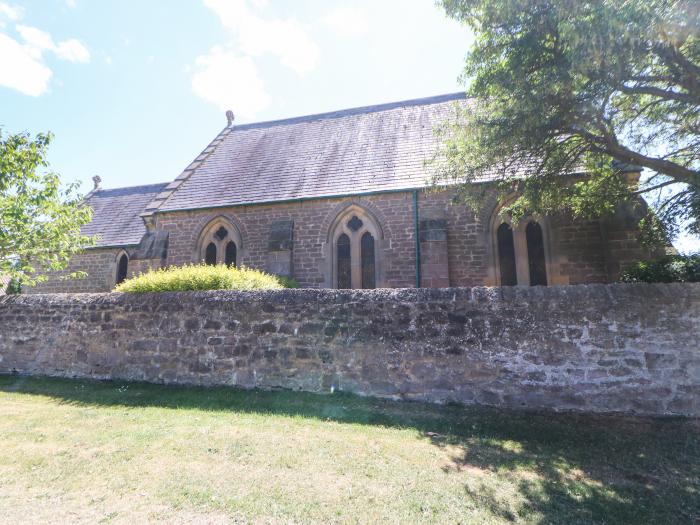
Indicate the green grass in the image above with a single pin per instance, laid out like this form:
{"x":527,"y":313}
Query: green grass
{"x":194,"y":277}
{"x":90,"y":452}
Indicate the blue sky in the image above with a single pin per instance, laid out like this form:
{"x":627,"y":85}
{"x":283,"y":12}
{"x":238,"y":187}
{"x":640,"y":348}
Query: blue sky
{"x":133,"y":90}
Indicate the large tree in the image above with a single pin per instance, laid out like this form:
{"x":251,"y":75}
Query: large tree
{"x":571,"y":86}
{"x":39,"y":219}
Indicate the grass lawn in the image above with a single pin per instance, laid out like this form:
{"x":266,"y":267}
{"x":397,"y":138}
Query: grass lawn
{"x":88,"y":452}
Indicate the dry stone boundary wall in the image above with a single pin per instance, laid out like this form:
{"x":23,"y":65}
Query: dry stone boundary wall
{"x":598,"y":348}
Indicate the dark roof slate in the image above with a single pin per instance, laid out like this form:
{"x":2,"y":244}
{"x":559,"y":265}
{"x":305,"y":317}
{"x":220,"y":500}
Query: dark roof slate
{"x":354,"y":151}
{"x":116,"y":213}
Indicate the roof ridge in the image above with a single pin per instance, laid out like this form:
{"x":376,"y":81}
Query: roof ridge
{"x":386,"y":106}
{"x":132,"y":187}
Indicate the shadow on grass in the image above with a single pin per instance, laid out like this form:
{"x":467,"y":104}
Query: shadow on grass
{"x":562,"y":468}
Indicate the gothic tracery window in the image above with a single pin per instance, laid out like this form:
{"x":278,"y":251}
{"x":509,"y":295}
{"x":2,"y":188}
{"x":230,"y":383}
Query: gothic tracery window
{"x":219,"y":243}
{"x":354,"y":238}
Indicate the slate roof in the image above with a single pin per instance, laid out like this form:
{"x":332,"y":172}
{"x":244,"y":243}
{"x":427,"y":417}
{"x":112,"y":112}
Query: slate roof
{"x":116,"y":214}
{"x":353,"y":151}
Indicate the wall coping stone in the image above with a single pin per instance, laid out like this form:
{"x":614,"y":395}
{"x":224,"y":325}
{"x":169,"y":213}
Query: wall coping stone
{"x":610,"y":292}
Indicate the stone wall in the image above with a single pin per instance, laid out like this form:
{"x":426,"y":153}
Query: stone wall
{"x":100,"y":265}
{"x":629,"y":348}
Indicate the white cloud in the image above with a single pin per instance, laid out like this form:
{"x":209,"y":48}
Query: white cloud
{"x":283,"y":38}
{"x":347,"y":21}
{"x":20,"y":69}
{"x":71,"y":4}
{"x":39,"y":41}
{"x":72,"y":50}
{"x":229,"y":81}
{"x":12,"y":12}
{"x":228,"y":76}
{"x":22,"y":64}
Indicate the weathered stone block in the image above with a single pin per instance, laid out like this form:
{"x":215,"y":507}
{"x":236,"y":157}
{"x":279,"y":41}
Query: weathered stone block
{"x":656,"y":361}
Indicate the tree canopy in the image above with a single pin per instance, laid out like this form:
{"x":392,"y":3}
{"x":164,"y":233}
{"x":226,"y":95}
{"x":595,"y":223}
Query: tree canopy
{"x":566,"y":87}
{"x":39,"y":219}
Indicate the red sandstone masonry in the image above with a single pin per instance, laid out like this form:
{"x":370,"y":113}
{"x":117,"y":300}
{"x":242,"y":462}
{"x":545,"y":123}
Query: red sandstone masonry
{"x":100,"y":264}
{"x":311,"y":221}
{"x":587,"y":251}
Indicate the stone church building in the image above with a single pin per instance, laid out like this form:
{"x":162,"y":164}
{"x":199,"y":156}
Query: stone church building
{"x":338,"y":199}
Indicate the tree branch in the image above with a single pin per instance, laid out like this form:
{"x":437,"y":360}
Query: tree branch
{"x":610,"y":146}
{"x":654,"y":188}
{"x":658,"y":92}
{"x":689,"y":73}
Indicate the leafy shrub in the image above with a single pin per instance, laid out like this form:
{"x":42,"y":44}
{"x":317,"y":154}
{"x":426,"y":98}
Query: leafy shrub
{"x":13,"y":287}
{"x":288,"y":282}
{"x":668,"y":269}
{"x":200,"y":277}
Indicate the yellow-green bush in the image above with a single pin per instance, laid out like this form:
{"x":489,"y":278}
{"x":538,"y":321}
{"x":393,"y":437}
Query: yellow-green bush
{"x":200,"y":277}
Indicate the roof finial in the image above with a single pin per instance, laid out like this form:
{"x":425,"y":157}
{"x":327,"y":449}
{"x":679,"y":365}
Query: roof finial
{"x":96,"y":180}
{"x":229,"y":117}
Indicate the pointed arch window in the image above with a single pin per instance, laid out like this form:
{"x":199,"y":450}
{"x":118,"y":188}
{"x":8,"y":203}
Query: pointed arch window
{"x":219,"y":243}
{"x":506,"y":255}
{"x":343,"y":261}
{"x":230,"y":256}
{"x":210,"y":254}
{"x":535,"y":254}
{"x":367,"y":256}
{"x":122,"y":268}
{"x":355,"y":236}
{"x":520,"y":253}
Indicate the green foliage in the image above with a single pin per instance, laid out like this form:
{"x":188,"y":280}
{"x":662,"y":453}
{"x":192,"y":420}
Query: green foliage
{"x":13,"y":287}
{"x":571,"y":87}
{"x":288,"y":282}
{"x":39,"y":220}
{"x":669,"y":269}
{"x":201,"y":277}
